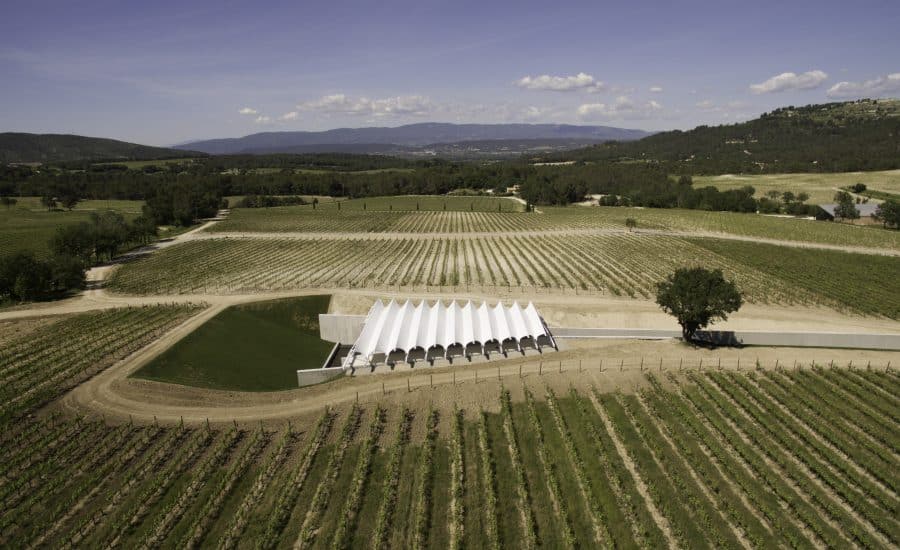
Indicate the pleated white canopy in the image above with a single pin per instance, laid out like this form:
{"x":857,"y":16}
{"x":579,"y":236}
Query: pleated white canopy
{"x":405,"y":327}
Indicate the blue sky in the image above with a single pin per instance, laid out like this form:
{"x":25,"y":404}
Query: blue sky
{"x":166,"y":72}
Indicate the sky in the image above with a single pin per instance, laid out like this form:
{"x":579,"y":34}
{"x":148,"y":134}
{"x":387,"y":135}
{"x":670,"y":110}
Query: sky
{"x":160,"y":72}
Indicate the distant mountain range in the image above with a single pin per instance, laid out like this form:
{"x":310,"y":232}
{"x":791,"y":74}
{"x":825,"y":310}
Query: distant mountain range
{"x":28,"y":148}
{"x":425,"y":138}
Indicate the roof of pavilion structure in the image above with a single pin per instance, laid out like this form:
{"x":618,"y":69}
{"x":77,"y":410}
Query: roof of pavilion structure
{"x":405,"y":327}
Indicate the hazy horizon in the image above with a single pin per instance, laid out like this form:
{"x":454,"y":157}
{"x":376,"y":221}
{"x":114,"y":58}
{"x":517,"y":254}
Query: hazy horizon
{"x":163,"y":73}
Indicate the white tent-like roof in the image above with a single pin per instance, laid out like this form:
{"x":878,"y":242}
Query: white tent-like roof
{"x":405,"y":327}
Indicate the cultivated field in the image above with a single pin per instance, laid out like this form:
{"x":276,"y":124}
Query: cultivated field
{"x":709,"y":459}
{"x":820,"y":187}
{"x":54,"y":357}
{"x":327,"y":220}
{"x":618,"y":265}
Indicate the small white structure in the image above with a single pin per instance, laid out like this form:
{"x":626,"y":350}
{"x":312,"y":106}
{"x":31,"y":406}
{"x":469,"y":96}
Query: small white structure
{"x":426,"y":331}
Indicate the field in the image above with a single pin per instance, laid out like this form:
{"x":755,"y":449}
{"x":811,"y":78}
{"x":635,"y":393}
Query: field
{"x":251,"y":347}
{"x":617,"y":265}
{"x":325,"y":219}
{"x":29,"y":226}
{"x":820,"y":187}
{"x":42,"y":364}
{"x":700,"y":459}
{"x":865,"y":284}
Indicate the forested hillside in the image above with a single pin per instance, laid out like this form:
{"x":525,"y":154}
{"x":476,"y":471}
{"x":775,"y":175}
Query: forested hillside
{"x":21,"y":147}
{"x":833,"y":137}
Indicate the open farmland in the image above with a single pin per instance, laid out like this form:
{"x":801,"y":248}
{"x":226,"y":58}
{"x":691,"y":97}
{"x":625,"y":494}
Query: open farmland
{"x":708,"y":459}
{"x":304,"y":219}
{"x":619,"y":265}
{"x":820,"y":187}
{"x":623,"y":265}
{"x":56,"y":357}
{"x":29,"y":226}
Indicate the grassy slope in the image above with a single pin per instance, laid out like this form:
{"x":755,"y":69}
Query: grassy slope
{"x":28,"y":226}
{"x":254,"y":347}
{"x":820,"y":187}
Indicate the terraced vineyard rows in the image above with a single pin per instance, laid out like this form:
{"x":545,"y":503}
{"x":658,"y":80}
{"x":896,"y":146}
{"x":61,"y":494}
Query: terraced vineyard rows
{"x":718,"y":459}
{"x":627,"y":265}
{"x":62,"y":355}
{"x":304,"y":219}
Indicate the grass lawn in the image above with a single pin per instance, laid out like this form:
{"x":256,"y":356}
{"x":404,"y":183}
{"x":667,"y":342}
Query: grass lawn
{"x":820,"y":187}
{"x":252,"y":347}
{"x":29,"y":226}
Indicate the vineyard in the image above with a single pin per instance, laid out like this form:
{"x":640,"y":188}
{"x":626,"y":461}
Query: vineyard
{"x":51,"y":360}
{"x":804,"y":458}
{"x":618,"y":265}
{"x":404,"y":219}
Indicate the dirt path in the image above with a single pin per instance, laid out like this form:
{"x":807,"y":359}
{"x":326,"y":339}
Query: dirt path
{"x":395,"y":236}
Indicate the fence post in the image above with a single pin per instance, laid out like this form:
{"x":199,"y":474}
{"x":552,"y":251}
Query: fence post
{"x":407,"y":386}
{"x":560,"y":367}
{"x":621,"y":365}
{"x":680,"y":363}
{"x":431,"y":380}
{"x":520,"y":370}
{"x":642,"y":363}
{"x":382,"y":389}
{"x":660,"y":364}
{"x":540,"y":368}
{"x":700,"y":366}
{"x":498,"y":373}
{"x":719,"y":366}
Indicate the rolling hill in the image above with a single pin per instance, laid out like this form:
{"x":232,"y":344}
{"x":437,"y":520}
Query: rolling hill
{"x":44,"y":148}
{"x":413,"y":137}
{"x":832,"y":137}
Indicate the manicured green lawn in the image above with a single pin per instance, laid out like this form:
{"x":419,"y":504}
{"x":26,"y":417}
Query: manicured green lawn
{"x":251,"y":347}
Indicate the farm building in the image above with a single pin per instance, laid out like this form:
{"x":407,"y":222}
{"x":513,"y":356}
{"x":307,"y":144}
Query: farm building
{"x":407,"y":332}
{"x":826,"y":211}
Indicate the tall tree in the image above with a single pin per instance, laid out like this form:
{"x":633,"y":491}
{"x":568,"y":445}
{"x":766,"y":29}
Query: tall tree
{"x":696,"y":297}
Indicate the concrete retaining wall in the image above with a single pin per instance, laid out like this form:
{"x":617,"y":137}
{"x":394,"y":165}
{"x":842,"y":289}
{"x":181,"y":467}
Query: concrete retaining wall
{"x":845,"y":340}
{"x":340,"y":328}
{"x":317,"y":376}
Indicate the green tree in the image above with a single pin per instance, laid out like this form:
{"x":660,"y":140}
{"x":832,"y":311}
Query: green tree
{"x":8,"y":202}
{"x":845,"y":208}
{"x":49,"y":201}
{"x":888,"y":213}
{"x":696,"y":297}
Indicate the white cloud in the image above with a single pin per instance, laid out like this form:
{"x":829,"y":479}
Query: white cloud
{"x":706,"y":104}
{"x":656,"y":89}
{"x":289,"y":116}
{"x":623,"y":108}
{"x":790,"y":81}
{"x":581,"y":81}
{"x":262,"y":119}
{"x":391,"y":106}
{"x":248,"y":111}
{"x":877,"y":87}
